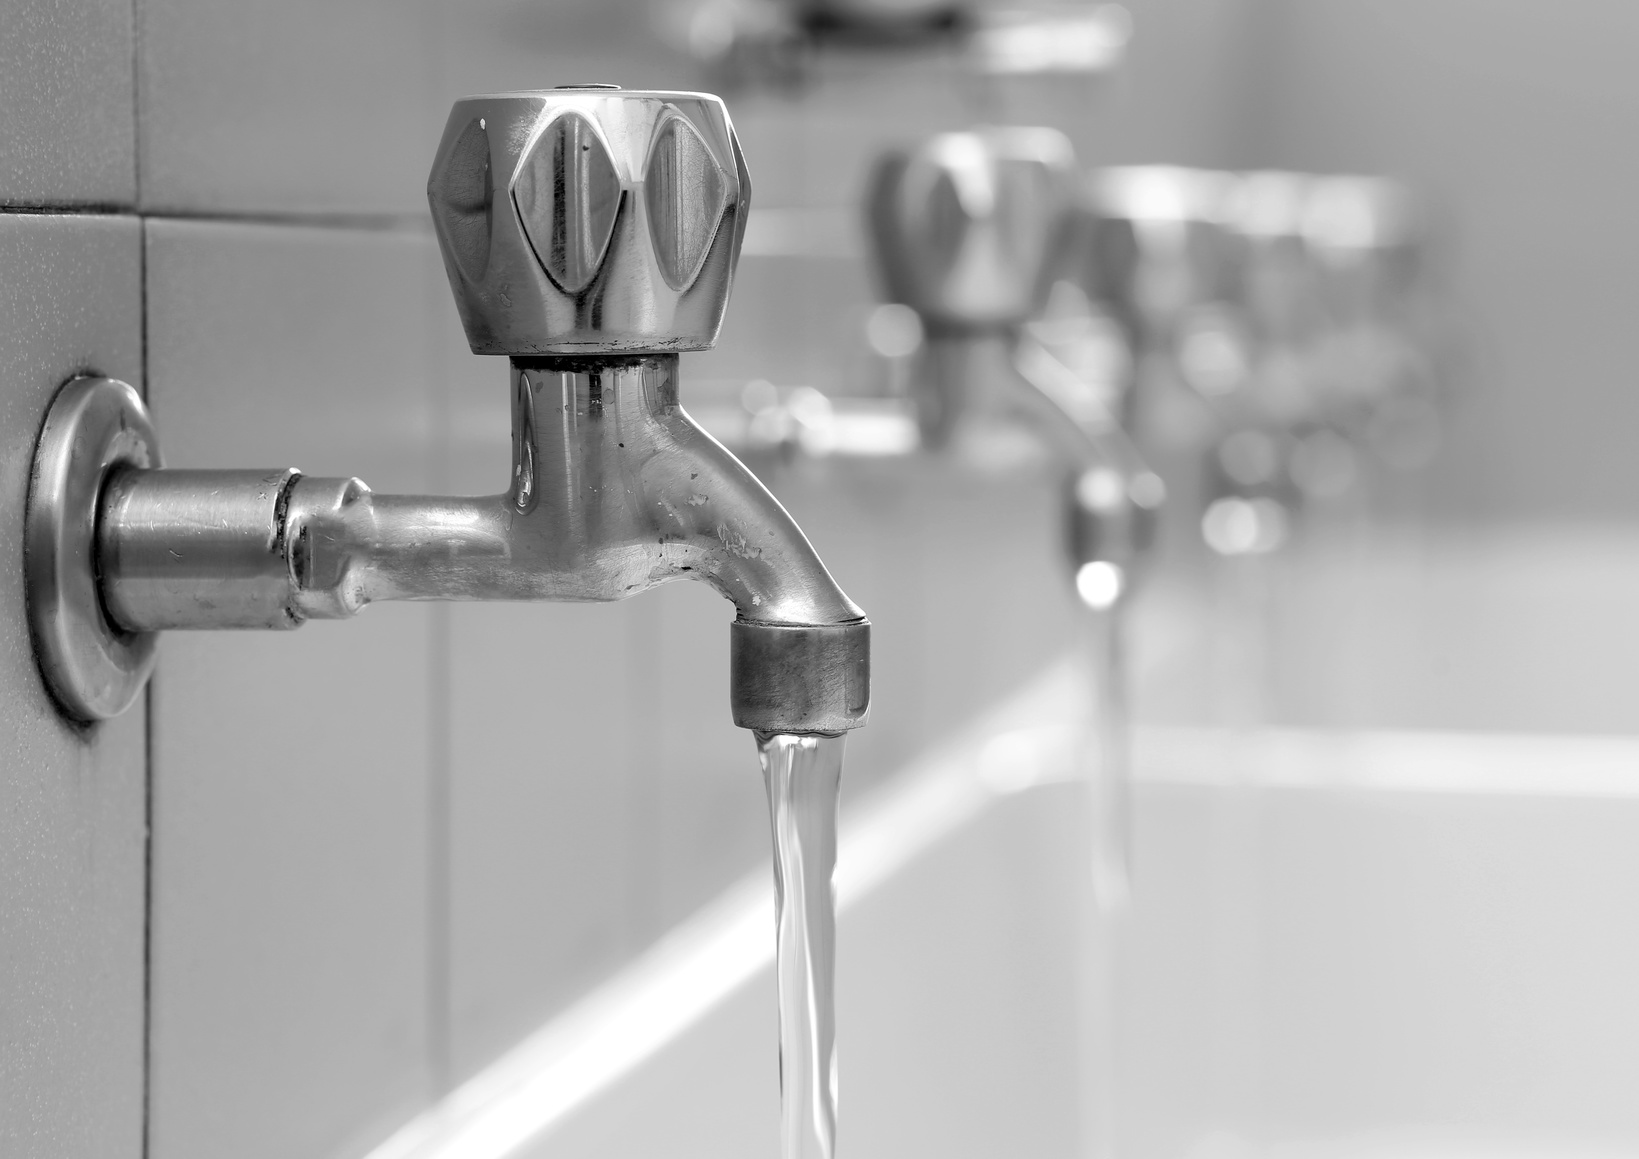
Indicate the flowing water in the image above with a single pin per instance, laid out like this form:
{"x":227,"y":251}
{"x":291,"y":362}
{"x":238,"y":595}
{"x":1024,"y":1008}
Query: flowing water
{"x":1107,"y":759}
{"x":1106,"y":772}
{"x":803,"y":774}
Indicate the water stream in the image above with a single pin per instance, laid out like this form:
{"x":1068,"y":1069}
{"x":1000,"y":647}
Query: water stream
{"x":1106,"y":771}
{"x":1107,"y":758}
{"x":803,"y":774}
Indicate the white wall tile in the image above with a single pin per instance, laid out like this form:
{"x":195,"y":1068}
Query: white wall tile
{"x":559,"y":745}
{"x":547,"y":731}
{"x":68,"y":133}
{"x":290,"y":1001}
{"x":1454,"y":960}
{"x":546,"y":715}
{"x":500,"y":45}
{"x":710,"y":818}
{"x":279,"y":107}
{"x":996,"y":600}
{"x":72,"y":801}
{"x":284,"y":107}
{"x":863,"y":518}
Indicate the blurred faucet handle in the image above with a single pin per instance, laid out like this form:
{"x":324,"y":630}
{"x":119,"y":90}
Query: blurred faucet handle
{"x":590,"y":219}
{"x":1151,"y":243}
{"x":969,"y":227}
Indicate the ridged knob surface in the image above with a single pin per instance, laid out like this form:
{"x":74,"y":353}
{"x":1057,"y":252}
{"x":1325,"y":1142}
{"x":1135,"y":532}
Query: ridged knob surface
{"x":589,"y":220}
{"x":969,"y":227}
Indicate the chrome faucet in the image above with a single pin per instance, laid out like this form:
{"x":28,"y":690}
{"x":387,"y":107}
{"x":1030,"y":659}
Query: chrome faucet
{"x":590,"y":235}
{"x":1289,"y":308}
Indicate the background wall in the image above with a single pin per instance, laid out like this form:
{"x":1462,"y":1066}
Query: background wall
{"x":382,"y":850}
{"x":1511,"y":117}
{"x":73,"y":803}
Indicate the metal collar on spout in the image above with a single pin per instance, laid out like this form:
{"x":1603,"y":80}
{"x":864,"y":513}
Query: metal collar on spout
{"x":590,"y":234}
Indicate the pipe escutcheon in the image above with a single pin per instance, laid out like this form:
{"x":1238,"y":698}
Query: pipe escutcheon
{"x":96,"y":428}
{"x":800,"y":678}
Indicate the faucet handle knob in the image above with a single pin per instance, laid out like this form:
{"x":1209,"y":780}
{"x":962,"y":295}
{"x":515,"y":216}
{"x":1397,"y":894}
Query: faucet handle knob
{"x":968,"y":227}
{"x":589,"y":219}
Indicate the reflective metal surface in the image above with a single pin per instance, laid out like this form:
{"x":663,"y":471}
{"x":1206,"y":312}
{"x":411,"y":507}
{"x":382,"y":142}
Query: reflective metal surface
{"x":198,"y":549}
{"x":796,"y":678}
{"x":589,"y":219}
{"x":615,"y":237}
{"x":968,"y":226}
{"x":614,"y":490}
{"x":96,"y":428}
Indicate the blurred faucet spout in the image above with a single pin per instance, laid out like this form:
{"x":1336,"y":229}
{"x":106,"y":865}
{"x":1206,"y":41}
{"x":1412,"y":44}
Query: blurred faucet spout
{"x":614,"y":491}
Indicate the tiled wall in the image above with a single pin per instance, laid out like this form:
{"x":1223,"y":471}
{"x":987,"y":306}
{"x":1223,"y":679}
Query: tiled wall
{"x":382,"y":850}
{"x":73,"y":802}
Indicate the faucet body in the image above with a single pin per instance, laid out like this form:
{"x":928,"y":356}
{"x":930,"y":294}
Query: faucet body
{"x":614,"y":490}
{"x":610,"y":249}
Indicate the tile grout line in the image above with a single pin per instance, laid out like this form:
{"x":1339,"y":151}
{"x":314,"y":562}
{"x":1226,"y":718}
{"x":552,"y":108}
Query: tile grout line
{"x":149,"y":719}
{"x":439,"y":759}
{"x":136,"y":108}
{"x":441,"y":764}
{"x":362,"y":222}
{"x":145,"y":1142}
{"x":357,"y":222}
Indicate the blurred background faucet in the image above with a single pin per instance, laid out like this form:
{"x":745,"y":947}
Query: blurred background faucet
{"x":971,"y":231}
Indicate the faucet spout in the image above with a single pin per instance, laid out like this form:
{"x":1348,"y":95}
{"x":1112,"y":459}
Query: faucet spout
{"x":614,"y":490}
{"x":1114,"y":495}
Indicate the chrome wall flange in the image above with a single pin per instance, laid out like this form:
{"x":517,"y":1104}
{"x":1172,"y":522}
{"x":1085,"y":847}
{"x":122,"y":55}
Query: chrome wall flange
{"x":95,"y":427}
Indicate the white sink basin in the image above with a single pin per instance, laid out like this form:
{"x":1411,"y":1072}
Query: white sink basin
{"x":1341,"y":944}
